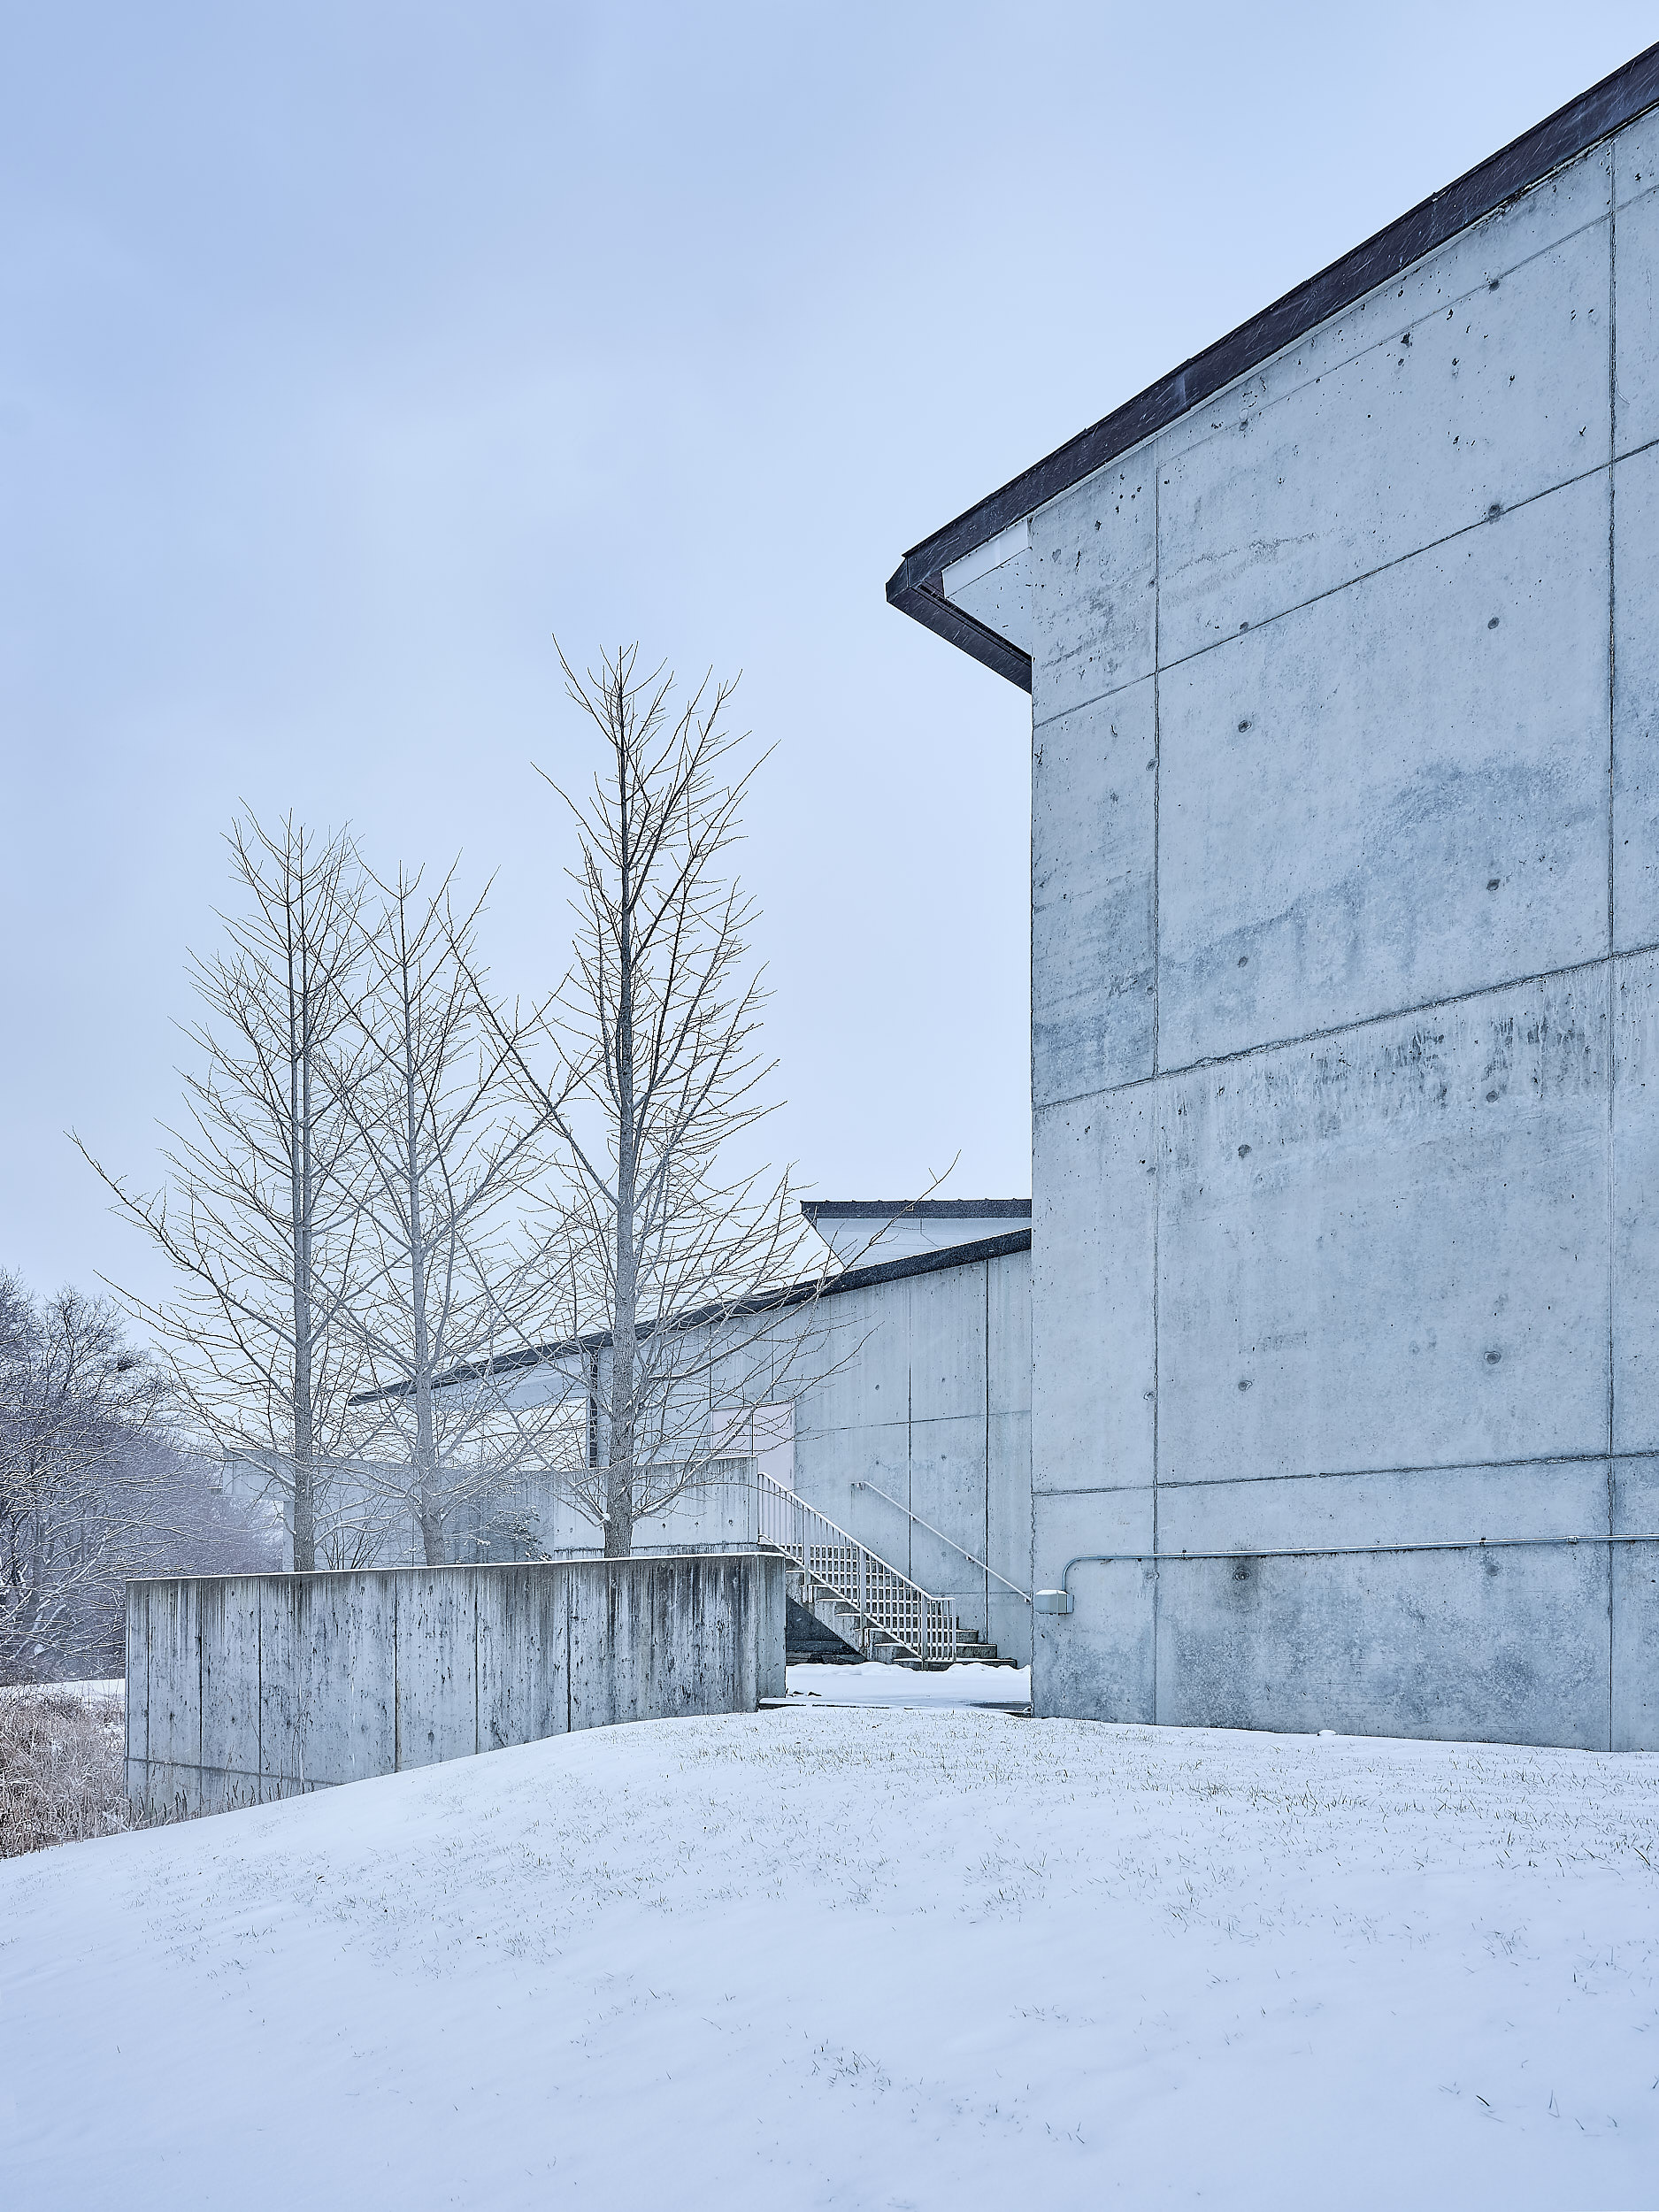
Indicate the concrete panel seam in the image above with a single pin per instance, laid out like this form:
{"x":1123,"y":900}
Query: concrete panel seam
{"x":1351,"y":1028}
{"x":1096,"y":699}
{"x":1157,"y":968}
{"x":1612,"y":1029}
{"x":985,"y":1463}
{"x":1365,"y":576}
{"x":1245,"y":1552}
{"x":1094,"y":1490}
{"x":236,"y":1774}
{"x":1595,"y":1458}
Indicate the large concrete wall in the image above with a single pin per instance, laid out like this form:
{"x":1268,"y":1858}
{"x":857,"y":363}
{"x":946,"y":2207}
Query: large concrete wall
{"x":1345,"y":887}
{"x":244,"y":1689}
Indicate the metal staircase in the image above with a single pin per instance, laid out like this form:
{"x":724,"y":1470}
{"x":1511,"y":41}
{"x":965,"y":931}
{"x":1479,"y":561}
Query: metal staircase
{"x":859,"y":1596}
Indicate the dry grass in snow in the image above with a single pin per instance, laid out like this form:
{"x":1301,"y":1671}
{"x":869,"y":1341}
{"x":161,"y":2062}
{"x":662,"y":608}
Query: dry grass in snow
{"x":858,"y":1958}
{"x":62,"y":1765}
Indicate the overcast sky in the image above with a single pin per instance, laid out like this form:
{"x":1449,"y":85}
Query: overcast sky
{"x":348,"y":352}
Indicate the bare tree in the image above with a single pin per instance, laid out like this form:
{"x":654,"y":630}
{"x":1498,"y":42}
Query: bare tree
{"x":680,"y":1260}
{"x":446,"y":1147}
{"x":258,"y":1222}
{"x":81,"y":1489}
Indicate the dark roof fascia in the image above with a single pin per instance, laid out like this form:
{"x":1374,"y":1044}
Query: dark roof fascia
{"x":919,"y":1209}
{"x":916,"y":586}
{"x":765,"y":1302}
{"x":947,"y":1256}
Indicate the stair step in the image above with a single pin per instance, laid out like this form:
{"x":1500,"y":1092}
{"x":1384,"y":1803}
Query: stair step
{"x":807,"y":1635}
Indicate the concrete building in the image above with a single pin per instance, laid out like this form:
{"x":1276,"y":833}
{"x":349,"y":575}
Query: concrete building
{"x":866,"y":1231}
{"x":1344,"y":665}
{"x":896,"y":1403}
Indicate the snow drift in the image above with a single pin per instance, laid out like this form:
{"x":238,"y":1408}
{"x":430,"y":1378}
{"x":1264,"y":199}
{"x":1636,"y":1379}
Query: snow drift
{"x":857,"y":1958}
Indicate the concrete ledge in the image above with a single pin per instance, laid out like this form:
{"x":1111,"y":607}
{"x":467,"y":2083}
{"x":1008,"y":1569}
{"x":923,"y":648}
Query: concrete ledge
{"x":241,"y":1689}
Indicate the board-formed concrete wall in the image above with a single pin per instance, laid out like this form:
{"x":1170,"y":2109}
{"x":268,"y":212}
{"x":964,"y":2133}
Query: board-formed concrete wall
{"x":1345,"y":966}
{"x":244,"y":1689}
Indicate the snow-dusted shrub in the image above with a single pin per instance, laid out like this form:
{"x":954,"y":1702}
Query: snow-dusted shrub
{"x":61,"y":1759}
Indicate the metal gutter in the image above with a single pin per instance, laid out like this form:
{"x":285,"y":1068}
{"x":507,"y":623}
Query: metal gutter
{"x":917,"y":1209}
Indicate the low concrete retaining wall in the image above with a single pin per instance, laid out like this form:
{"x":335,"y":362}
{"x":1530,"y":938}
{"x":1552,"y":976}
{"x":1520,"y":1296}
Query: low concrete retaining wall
{"x":244,"y":1689}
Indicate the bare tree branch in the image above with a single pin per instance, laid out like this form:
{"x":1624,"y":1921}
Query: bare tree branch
{"x":255,"y":1220}
{"x":448,"y":1152}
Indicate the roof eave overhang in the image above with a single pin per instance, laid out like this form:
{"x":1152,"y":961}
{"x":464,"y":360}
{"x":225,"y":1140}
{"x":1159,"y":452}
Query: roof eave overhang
{"x":916,"y":586}
{"x":918,"y":590}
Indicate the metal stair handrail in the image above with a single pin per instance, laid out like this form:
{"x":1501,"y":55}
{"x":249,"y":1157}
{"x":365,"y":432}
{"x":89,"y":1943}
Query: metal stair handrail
{"x":885,"y":1599}
{"x":972,"y":1558}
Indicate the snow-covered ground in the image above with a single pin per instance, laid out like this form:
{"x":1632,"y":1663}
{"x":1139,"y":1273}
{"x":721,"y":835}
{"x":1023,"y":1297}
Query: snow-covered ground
{"x":826,"y":1957}
{"x":969,"y":1683}
{"x":88,"y":1692}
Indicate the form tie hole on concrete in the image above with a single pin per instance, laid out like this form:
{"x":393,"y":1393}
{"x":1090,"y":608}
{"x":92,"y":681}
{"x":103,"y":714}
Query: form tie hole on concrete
{"x":1245,"y":724}
{"x":1244,"y":1151}
{"x":1492,"y":882}
{"x":1494,"y":623}
{"x":1492,"y":1358}
{"x":1244,"y":959}
{"x":1492,"y":1098}
{"x":1493,"y":284}
{"x":1244,"y":1382}
{"x":1496,"y":508}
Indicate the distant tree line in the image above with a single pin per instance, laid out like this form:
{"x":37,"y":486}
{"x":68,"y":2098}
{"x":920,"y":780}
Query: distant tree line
{"x":96,"y":1485}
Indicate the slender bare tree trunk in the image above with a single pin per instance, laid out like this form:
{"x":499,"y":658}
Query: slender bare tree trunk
{"x":428,"y":1504}
{"x":625,"y":1312}
{"x":301,"y":1182}
{"x":309,"y":1021}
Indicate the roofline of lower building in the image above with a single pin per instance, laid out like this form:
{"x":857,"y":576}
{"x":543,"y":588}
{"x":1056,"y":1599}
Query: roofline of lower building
{"x":777,"y":1301}
{"x":897,"y":1210}
{"x":916,"y":586}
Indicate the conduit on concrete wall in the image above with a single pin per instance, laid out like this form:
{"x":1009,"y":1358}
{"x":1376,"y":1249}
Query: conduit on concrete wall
{"x":245,"y":1688}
